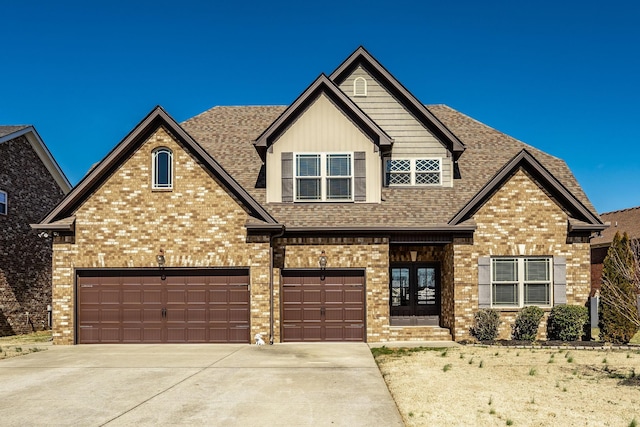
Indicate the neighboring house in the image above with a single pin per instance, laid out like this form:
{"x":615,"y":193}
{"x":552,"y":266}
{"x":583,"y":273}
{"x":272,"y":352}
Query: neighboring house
{"x":354,"y":214}
{"x":31,"y":184}
{"x":622,"y":221}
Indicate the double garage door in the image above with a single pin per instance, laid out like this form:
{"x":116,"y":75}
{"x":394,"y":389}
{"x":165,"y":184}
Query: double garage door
{"x":323,"y":306}
{"x":208,"y":306}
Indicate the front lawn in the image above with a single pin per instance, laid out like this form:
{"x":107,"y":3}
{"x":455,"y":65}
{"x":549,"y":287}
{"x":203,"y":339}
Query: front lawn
{"x":494,"y":386}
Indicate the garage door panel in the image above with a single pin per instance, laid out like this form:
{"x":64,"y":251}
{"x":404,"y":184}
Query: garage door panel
{"x":330,"y":307}
{"x":110,"y":315}
{"x":198,"y":308}
{"x":238,"y":315}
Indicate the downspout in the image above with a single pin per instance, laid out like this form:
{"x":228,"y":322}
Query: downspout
{"x":271,"y":239}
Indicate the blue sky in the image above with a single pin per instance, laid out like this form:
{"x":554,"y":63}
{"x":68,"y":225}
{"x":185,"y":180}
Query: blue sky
{"x":559,"y":75}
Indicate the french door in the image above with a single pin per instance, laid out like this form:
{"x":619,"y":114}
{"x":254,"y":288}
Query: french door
{"x":415,"y":289}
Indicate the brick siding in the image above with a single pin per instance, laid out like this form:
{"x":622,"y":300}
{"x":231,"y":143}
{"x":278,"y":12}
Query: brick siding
{"x":124,"y":224}
{"x":25,"y":258}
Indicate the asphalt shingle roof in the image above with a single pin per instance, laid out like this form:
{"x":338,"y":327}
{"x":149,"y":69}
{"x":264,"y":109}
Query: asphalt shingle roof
{"x":625,"y":220}
{"x":7,"y":130}
{"x":227,"y":133}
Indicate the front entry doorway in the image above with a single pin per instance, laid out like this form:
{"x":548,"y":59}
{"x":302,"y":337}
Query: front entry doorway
{"x":415,"y":290}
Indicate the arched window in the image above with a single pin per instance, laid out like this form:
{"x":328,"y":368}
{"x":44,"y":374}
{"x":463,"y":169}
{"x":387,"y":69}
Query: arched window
{"x":162,"y":168}
{"x":360,"y":87}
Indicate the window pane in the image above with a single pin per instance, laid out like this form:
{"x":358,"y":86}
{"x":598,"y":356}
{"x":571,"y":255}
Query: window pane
{"x":536,"y":269}
{"x":162,"y":169}
{"x":427,"y":178}
{"x":398,"y":172}
{"x":398,"y":166}
{"x":338,"y":188}
{"x":505,"y":294}
{"x":3,"y":203}
{"x":308,"y":165}
{"x":399,"y":286}
{"x":428,"y":165}
{"x":338,"y":164}
{"x":505,"y":270}
{"x":536,"y":294}
{"x":426,"y":286}
{"x":308,"y":189}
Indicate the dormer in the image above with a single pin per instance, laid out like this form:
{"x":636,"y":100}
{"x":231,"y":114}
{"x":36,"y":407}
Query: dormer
{"x":424,"y":150}
{"x":323,"y":148}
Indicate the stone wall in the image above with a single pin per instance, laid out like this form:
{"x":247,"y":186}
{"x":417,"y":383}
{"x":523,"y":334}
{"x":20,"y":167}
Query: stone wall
{"x":124,"y":223}
{"x":25,"y":258}
{"x":520,"y":219}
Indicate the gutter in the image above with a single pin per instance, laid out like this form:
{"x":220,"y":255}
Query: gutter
{"x":271,"y":239}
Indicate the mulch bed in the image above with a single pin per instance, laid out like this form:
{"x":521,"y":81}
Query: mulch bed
{"x":596,"y":345}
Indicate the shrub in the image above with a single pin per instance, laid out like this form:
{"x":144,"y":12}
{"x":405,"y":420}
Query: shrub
{"x":526,"y":326}
{"x":485,"y":324}
{"x":618,"y":311}
{"x":566,"y":322}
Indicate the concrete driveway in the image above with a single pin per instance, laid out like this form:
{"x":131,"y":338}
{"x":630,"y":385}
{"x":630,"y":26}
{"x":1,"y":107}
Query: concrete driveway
{"x":220,"y":385}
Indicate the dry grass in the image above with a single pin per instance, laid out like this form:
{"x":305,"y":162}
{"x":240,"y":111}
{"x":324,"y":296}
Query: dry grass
{"x":19,"y":345}
{"x":492,"y":386}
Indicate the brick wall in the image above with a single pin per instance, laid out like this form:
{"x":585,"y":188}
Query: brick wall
{"x":519,"y":219}
{"x":124,"y":224}
{"x":25,"y":258}
{"x":369,"y":253}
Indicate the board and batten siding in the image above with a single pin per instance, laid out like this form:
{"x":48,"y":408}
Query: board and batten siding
{"x":411,"y":139}
{"x":323,"y":128}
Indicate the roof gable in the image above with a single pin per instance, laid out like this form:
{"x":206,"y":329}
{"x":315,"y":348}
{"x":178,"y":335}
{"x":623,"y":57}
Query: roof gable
{"x":322,"y":85}
{"x":156,"y":118}
{"x":363,"y":58}
{"x":525,"y":160}
{"x":8,"y":133}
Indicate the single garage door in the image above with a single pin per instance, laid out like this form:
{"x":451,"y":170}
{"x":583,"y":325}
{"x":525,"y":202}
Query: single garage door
{"x":326,"y":306}
{"x":210,"y":306}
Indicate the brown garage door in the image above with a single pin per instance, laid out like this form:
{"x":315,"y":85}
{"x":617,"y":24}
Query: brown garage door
{"x":186,"y":307}
{"x":328,"y":307}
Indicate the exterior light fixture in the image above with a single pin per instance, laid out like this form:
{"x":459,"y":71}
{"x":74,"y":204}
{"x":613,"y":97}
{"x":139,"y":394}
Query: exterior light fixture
{"x":161,"y":262}
{"x":323,"y":264}
{"x":414,"y":255}
{"x":323,"y":260}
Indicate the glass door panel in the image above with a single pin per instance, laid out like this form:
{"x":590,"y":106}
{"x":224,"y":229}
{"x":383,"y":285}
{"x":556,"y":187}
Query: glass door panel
{"x":415,"y":290}
{"x":400,"y":287}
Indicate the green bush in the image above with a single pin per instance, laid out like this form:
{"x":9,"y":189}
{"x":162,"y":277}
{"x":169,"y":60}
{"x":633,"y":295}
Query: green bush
{"x":566,"y":322}
{"x":527,"y":321}
{"x":485,"y":324}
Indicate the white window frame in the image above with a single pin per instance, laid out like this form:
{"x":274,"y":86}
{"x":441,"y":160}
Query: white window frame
{"x":521,"y":281}
{"x":355,"y":86}
{"x":413,"y":172}
{"x":154,"y":167}
{"x":4,"y":202}
{"x":324,"y":177}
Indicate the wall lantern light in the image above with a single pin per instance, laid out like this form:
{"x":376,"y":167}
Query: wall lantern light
{"x":414,"y":255}
{"x":161,"y":262}
{"x":323,"y":260}
{"x":323,"y":263}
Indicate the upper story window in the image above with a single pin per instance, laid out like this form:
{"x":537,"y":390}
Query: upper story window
{"x":413,"y":172}
{"x":324,"y":177}
{"x":3,"y":203}
{"x":360,"y":86}
{"x":162,"y":169}
{"x":520,"y":281}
